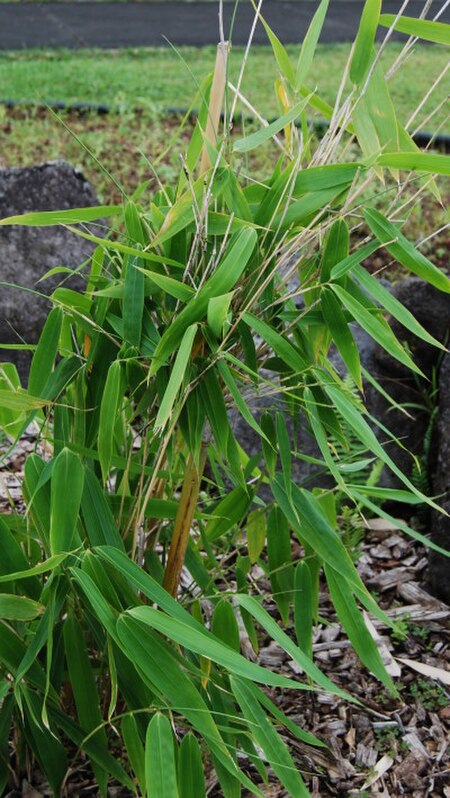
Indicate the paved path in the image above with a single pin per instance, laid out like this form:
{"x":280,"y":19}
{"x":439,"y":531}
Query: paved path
{"x":71,"y":24}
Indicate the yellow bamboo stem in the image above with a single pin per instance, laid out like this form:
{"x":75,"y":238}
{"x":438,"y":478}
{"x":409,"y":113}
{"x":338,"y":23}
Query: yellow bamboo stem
{"x":215,"y":102}
{"x":183,"y":522}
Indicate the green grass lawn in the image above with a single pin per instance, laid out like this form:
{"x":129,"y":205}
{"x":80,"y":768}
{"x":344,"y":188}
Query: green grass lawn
{"x":158,"y":77}
{"x":155,"y":80}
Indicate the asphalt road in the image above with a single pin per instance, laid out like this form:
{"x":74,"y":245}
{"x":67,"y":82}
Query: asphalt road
{"x":111,"y":25}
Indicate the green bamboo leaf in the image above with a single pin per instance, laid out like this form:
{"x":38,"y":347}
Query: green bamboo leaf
{"x":204,"y":643}
{"x":336,"y":248}
{"x":230,"y":383}
{"x":416,"y":161}
{"x":365,"y":38}
{"x":341,"y":334}
{"x":256,"y":533}
{"x":400,"y":248}
{"x":98,"y":519}
{"x":354,"y":418}
{"x":381,"y":108}
{"x":279,"y":51}
{"x":84,"y":688}
{"x":109,"y":408}
{"x":280,"y":345}
{"x":393,"y":306}
{"x":431,"y":31}
{"x":160,"y":769}
{"x":72,"y":216}
{"x":169,"y":285}
{"x":254,"y":608}
{"x":376,"y":329}
{"x":280,"y":561}
{"x":161,"y":669}
{"x":43,"y":567}
{"x":303,"y":609}
{"x":177,"y":375}
{"x":224,"y":625}
{"x":135,"y":749}
{"x":191,"y":779}
{"x":344,"y":266}
{"x":217,"y":316}
{"x":228,"y":512}
{"x":221,"y":282}
{"x":133,"y":224}
{"x":19,"y":400}
{"x":65,"y":499}
{"x":45,"y":354}
{"x":268,"y":739}
{"x":19,"y":608}
{"x":309,"y":45}
{"x":353,"y":623}
{"x":284,"y":450}
{"x":133,"y":302}
{"x":261,"y":136}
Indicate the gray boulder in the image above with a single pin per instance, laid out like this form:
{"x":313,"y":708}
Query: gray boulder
{"x":439,"y":564}
{"x":27,"y":253}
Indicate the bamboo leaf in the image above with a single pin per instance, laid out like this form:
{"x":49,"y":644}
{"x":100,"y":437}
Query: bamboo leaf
{"x":431,"y":31}
{"x":109,"y":407}
{"x":191,"y":780}
{"x":72,"y":216}
{"x":177,"y":375}
{"x":19,"y":608}
{"x":280,"y":345}
{"x":303,"y":609}
{"x":160,"y":770}
{"x":416,"y":161}
{"x":268,"y":739}
{"x":400,"y":248}
{"x":378,"y":331}
{"x":341,"y":334}
{"x":45,"y":354}
{"x":261,"y":136}
{"x":365,"y":38}
{"x":309,"y":45}
{"x":65,"y":499}
{"x":393,"y":306}
{"x":135,"y":749}
{"x":353,"y":623}
{"x":133,"y":302}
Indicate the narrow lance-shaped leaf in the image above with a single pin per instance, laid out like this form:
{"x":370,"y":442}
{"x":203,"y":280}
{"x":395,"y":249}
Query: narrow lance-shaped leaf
{"x":416,"y":161}
{"x":135,"y":749}
{"x":108,"y":416}
{"x":160,"y":770}
{"x":191,"y":779}
{"x":363,"y":47}
{"x":303,"y":609}
{"x":177,"y":375}
{"x":353,"y":623}
{"x":341,"y":334}
{"x":19,"y":608}
{"x":376,"y":329}
{"x":45,"y":354}
{"x":400,"y":248}
{"x":133,"y":302}
{"x":430,"y":30}
{"x":261,"y":136}
{"x":72,"y":216}
{"x":309,"y":45}
{"x":66,"y":491}
{"x":268,"y":739}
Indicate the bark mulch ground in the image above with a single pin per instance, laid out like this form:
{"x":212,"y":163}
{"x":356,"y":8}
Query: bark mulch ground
{"x":381,"y":747}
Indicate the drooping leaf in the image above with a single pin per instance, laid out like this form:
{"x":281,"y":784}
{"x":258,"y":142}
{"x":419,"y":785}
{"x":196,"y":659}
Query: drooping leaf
{"x":160,"y":768}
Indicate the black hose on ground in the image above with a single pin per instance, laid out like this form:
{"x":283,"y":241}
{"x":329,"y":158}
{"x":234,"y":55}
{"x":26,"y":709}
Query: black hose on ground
{"x":422,"y":138}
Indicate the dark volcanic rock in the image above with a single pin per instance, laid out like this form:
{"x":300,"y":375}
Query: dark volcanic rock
{"x":27,"y":253}
{"x":439,"y":564}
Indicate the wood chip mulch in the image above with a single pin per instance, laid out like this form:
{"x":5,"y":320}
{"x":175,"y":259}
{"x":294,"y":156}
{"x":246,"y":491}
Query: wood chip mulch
{"x":384,"y":746}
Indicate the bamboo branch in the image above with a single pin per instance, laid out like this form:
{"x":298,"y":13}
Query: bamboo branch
{"x":215,"y":102}
{"x":183,"y":522}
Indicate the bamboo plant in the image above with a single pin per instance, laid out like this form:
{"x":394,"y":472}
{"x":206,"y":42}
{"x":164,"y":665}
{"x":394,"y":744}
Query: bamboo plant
{"x":127,"y":587}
